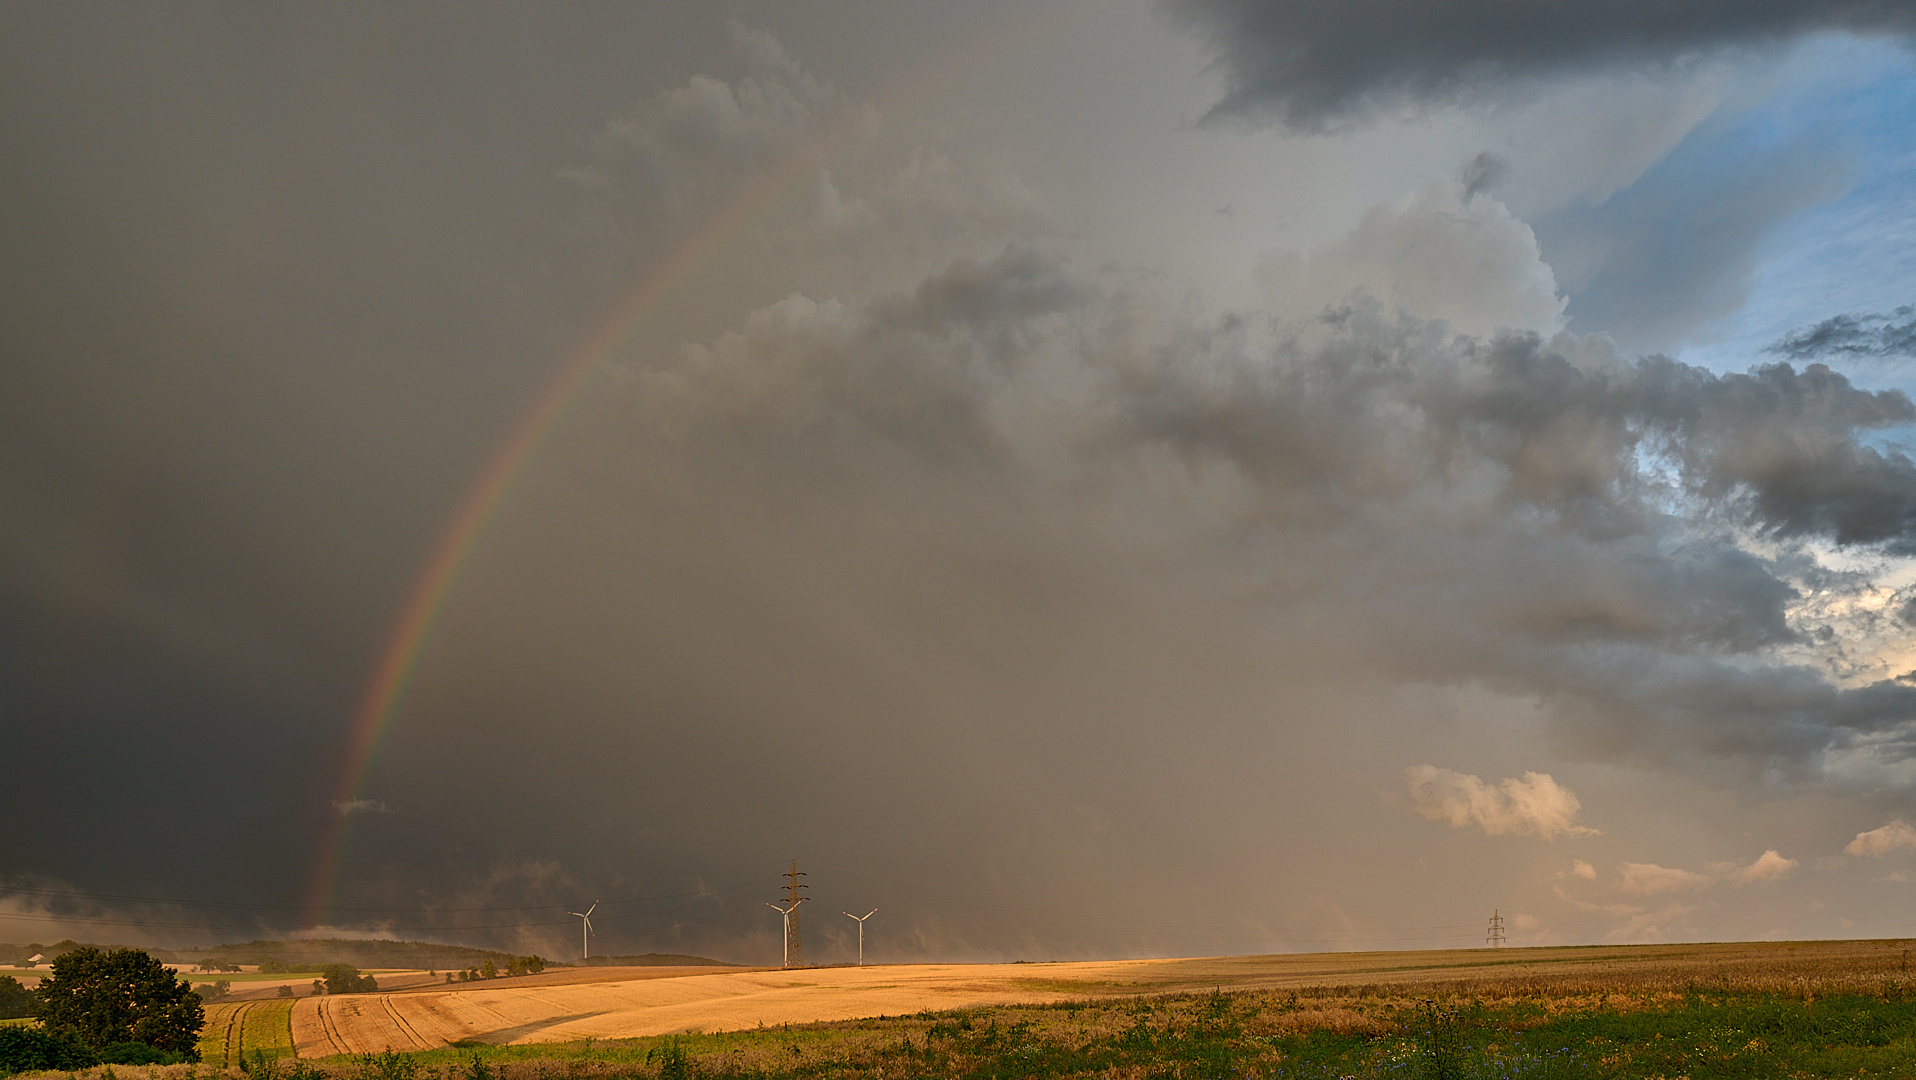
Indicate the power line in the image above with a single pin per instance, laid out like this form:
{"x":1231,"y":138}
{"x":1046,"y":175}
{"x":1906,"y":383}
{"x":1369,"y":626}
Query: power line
{"x":1025,"y":917}
{"x":247,"y":906}
{"x":1051,"y":917}
{"x":85,"y":920}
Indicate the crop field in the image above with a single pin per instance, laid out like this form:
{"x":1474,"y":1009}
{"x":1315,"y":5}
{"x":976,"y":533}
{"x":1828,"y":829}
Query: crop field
{"x":669,"y":1001}
{"x":235,"y":1030}
{"x":1702,"y":1012}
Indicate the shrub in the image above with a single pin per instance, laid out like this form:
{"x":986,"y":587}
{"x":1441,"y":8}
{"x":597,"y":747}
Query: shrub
{"x":390,"y":1065}
{"x":674,"y":1062}
{"x":15,"y":1000}
{"x":31,"y":1049}
{"x":139,"y":1053}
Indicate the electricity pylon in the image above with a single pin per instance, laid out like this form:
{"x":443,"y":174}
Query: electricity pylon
{"x":861,"y":931}
{"x":793,"y":956}
{"x":1495,"y":938}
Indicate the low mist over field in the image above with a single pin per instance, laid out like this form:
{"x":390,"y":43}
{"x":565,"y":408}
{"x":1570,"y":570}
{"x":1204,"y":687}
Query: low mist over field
{"x":1086,"y":480}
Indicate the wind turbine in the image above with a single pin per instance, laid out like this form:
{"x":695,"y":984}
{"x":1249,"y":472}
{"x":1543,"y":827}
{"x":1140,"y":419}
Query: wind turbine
{"x":861,"y":931}
{"x":790,"y":906}
{"x":585,"y":945}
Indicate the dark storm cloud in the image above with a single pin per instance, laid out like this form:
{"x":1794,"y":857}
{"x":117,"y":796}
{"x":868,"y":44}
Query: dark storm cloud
{"x":1013,"y":575}
{"x":1776,"y":446}
{"x":1320,"y":64}
{"x":1853,"y":337}
{"x":276,"y":280}
{"x":1546,"y":516}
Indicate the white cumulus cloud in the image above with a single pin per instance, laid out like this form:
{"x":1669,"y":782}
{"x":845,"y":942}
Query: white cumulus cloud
{"x":1533,"y":804}
{"x":1769,"y":866}
{"x":1648,"y":879}
{"x":1876,"y":843}
{"x":1438,"y":253}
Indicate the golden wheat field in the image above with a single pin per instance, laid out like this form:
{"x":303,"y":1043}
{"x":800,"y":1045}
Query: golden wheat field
{"x":619,"y":1003}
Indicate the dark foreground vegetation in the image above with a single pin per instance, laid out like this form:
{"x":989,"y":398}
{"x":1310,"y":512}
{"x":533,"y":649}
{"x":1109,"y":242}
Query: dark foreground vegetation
{"x":1349,"y":1032}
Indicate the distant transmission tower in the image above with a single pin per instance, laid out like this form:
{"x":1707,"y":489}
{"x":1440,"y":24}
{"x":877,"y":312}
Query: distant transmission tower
{"x":1495,"y":939}
{"x":794,"y":957}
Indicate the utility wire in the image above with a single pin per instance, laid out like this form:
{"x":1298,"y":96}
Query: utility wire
{"x":245,"y":906}
{"x":1031,"y":918}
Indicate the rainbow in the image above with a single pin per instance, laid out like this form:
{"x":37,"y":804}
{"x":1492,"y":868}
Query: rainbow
{"x":417,"y":617}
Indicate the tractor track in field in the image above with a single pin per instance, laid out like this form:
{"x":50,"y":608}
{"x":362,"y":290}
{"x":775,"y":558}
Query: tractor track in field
{"x":233,"y":1037}
{"x":330,"y":1027}
{"x":403,"y":1025}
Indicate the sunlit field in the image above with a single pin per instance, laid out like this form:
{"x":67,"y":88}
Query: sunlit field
{"x":238,"y":1030}
{"x":1723,"y":1010}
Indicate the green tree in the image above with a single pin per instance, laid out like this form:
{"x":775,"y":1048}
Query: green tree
{"x":103,"y":998}
{"x":346,"y":979}
{"x":15,"y":1000}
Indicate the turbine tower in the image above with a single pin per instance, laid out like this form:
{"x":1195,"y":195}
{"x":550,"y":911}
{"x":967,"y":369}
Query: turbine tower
{"x":585,"y":927}
{"x":861,"y":931}
{"x":791,"y":925}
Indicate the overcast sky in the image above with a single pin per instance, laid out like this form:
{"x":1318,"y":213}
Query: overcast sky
{"x":1087,"y":479}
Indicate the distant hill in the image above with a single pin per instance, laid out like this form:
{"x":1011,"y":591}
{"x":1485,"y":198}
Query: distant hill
{"x":311,"y":953}
{"x":16,"y":954}
{"x":653,"y":959}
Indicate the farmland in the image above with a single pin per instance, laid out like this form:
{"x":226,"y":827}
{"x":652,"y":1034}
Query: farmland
{"x":235,"y":1031}
{"x":615,"y":1003}
{"x":1715,"y":1010}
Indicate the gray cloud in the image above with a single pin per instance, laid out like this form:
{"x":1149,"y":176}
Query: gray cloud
{"x":1868,"y":336}
{"x":1546,"y":516}
{"x":1482,"y":173}
{"x":1777,"y":447}
{"x":1440,"y":253}
{"x":952,"y":566}
{"x":1318,"y":65}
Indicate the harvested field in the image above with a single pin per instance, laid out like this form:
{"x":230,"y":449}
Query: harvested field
{"x":234,"y":1030}
{"x":606,"y":1003}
